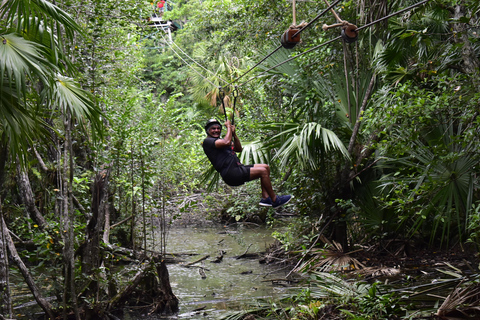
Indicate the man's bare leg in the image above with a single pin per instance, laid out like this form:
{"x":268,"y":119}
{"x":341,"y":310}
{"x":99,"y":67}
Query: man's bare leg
{"x":262,"y":171}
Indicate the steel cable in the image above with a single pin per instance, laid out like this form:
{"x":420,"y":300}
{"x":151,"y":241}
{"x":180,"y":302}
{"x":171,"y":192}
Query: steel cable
{"x":171,"y":47}
{"x":270,"y":54}
{"x":280,"y":46}
{"x":316,"y":18}
{"x":198,"y":64}
{"x":391,"y":15}
{"x":330,"y":41}
{"x":290,"y":59}
{"x":265,"y":58}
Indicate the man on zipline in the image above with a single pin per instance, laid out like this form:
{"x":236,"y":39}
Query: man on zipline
{"x":221,"y":154}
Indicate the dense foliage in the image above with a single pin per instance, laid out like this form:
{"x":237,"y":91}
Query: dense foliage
{"x":102,"y":116}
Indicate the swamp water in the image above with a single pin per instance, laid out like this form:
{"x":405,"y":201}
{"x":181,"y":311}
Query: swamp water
{"x":228,"y":285}
{"x":235,"y":283}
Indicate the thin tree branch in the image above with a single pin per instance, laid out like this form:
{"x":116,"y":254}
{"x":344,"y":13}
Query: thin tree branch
{"x":44,"y":304}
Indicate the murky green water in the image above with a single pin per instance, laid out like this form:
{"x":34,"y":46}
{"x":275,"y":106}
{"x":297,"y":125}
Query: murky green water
{"x":229,"y":284}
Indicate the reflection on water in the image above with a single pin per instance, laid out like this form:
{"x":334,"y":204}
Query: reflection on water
{"x":230,"y":283}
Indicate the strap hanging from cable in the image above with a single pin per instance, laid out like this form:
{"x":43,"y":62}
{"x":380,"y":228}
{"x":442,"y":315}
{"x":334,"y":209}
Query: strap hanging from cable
{"x":287,"y":39}
{"x":221,"y":94}
{"x":329,"y":41}
{"x":235,"y":95}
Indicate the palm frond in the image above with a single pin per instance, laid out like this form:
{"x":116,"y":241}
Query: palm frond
{"x":328,"y":284}
{"x":289,"y":69}
{"x":254,"y":152}
{"x":67,"y":96}
{"x":16,"y":10}
{"x":462,"y":299}
{"x":18,"y":122}
{"x":210,"y":177}
{"x":305,"y":143}
{"x":443,"y":185}
{"x":18,"y":58}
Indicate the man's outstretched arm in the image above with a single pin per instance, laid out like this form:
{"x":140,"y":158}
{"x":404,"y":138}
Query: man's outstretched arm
{"x":237,"y":144}
{"x":227,"y":140}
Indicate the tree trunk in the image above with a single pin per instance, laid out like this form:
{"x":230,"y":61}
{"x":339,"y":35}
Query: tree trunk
{"x":44,"y":304}
{"x":26,"y":194}
{"x":471,"y":63}
{"x":67,"y":222}
{"x":5,"y":298}
{"x":91,"y":253}
{"x":150,"y":285}
{"x":343,"y":188}
{"x":123,"y":295}
{"x":168,"y":302}
{"x":106,"y":231}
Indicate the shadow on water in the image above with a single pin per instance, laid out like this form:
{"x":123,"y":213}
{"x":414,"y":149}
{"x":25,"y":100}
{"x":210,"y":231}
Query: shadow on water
{"x":229,"y":284}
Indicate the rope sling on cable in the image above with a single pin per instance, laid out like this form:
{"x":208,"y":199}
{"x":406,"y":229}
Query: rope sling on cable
{"x":221,"y":93}
{"x":289,"y":39}
{"x":222,"y":97}
{"x":349,"y":32}
{"x":290,"y":35}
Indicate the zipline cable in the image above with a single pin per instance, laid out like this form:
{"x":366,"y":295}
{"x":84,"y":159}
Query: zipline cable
{"x":332,"y":40}
{"x":198,"y":64}
{"x":290,"y":59}
{"x":316,"y":18}
{"x":280,"y":46}
{"x":391,"y":15}
{"x":265,"y":58}
{"x":191,"y":67}
{"x":221,"y":91}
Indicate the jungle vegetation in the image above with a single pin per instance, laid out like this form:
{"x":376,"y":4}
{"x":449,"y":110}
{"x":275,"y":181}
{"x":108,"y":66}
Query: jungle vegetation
{"x":101,"y":120}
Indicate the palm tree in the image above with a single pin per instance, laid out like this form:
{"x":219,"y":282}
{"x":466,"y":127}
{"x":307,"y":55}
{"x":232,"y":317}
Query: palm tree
{"x":443,"y":184}
{"x":36,"y":88}
{"x":34,"y":73}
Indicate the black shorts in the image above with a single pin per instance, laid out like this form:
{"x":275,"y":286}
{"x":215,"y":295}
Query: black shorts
{"x":237,"y":175}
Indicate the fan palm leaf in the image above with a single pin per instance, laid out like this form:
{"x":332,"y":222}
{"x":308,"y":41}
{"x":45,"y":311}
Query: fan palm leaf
{"x":336,"y":286}
{"x":18,"y":123}
{"x":305,"y":143}
{"x":20,"y":63}
{"x":66,"y":95}
{"x":254,"y":152}
{"x":33,"y":16}
{"x":29,"y":72}
{"x":210,"y":178}
{"x":414,"y":44}
{"x":18,"y":59}
{"x":446,"y":184}
{"x":288,"y":69}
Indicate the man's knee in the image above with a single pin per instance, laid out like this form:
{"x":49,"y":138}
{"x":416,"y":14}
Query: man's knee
{"x":264,"y":167}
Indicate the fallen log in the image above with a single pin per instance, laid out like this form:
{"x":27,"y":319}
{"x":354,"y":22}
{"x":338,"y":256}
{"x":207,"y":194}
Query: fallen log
{"x":123,"y":295}
{"x":196,"y":261}
{"x":149,"y":287}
